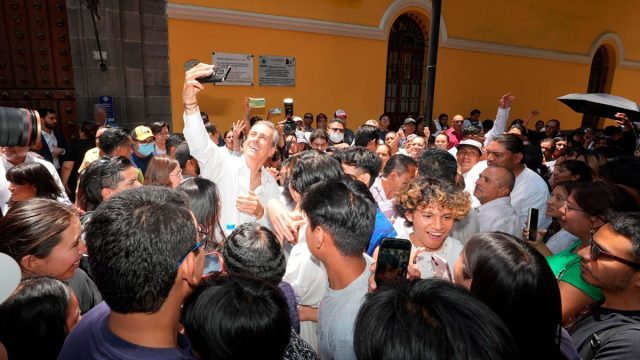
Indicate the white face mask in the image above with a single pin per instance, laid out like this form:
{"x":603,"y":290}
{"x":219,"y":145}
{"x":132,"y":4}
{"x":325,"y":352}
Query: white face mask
{"x":336,"y":137}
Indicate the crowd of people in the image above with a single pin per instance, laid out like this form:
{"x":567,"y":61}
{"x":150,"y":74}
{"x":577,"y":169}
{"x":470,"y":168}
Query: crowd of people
{"x":262,"y":241}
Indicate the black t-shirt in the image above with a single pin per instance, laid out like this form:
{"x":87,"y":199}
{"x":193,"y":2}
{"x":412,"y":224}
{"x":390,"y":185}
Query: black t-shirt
{"x":621,"y":344}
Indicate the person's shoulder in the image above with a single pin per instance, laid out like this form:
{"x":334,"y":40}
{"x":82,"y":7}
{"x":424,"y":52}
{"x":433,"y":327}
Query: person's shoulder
{"x":46,"y":164}
{"x":83,"y":338}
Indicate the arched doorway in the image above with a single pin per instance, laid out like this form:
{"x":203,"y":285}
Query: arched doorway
{"x":405,"y":70}
{"x":599,"y":81}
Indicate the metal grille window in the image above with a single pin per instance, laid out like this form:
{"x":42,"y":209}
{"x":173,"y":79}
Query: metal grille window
{"x":405,"y":70}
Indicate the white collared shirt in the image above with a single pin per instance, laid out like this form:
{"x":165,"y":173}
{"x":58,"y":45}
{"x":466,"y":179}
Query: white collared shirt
{"x":531,"y":191}
{"x":52,"y":143}
{"x":231,"y":174}
{"x":499,"y":215}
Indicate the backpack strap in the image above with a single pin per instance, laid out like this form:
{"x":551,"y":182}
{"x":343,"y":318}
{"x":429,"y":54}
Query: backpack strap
{"x":591,"y":347}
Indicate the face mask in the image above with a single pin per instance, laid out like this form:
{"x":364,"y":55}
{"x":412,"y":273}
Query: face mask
{"x":146,"y":149}
{"x":336,"y":137}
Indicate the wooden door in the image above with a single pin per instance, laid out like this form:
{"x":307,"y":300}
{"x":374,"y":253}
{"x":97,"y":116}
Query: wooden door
{"x":35,"y":59}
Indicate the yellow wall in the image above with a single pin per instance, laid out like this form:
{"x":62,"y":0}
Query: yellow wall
{"x":329,"y":73}
{"x":345,"y":72}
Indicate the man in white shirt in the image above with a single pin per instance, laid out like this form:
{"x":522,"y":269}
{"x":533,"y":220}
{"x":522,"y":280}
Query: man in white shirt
{"x":53,"y":143}
{"x":495,"y":212}
{"x":530,"y":190}
{"x":244,"y":185}
{"x":399,"y":169}
{"x":16,"y":155}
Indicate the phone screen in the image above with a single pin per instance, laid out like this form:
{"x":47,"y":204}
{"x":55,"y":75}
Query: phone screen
{"x":393,"y":260}
{"x":532,"y":224}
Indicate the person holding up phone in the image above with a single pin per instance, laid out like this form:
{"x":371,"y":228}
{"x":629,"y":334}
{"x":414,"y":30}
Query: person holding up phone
{"x":245,"y":186}
{"x":431,"y":206}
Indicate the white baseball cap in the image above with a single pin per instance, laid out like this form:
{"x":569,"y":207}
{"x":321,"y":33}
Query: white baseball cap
{"x":9,"y":276}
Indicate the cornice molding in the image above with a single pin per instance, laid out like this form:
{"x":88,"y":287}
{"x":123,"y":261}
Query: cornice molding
{"x":380,"y":32}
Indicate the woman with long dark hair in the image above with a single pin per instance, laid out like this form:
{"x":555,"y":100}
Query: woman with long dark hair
{"x":515,"y":281}
{"x":43,"y":237}
{"x":37,"y":317}
{"x":29,"y":180}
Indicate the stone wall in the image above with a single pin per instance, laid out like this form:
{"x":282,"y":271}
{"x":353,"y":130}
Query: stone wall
{"x":133,"y":33}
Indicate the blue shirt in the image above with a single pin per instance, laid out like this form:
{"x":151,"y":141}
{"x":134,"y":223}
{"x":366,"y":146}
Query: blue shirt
{"x":382,"y":229}
{"x":92,"y":339}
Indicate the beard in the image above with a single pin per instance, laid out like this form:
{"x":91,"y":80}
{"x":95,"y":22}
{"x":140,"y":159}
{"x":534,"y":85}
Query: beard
{"x":50,"y":126}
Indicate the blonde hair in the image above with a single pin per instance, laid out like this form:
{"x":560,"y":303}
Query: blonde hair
{"x":420,"y":193}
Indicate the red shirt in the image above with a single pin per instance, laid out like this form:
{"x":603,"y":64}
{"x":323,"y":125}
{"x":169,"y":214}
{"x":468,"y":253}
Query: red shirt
{"x":454,"y":138}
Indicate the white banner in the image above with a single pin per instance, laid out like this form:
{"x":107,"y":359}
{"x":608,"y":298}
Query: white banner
{"x":241,"y":72}
{"x":277,"y":70}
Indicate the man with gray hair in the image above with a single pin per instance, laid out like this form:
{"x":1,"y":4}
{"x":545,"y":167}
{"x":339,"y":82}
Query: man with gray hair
{"x":245,"y":186}
{"x":495,"y":212}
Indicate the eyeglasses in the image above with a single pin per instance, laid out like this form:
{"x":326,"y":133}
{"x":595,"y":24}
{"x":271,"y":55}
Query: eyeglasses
{"x":567,"y":208}
{"x":596,"y":252}
{"x":337,"y":130}
{"x":203,"y":239}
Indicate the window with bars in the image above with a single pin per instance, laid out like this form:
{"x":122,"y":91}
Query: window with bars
{"x":405,"y":70}
{"x":597,"y":82}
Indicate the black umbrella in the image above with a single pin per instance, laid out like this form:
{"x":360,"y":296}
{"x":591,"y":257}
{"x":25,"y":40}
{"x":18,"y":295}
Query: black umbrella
{"x":601,"y":104}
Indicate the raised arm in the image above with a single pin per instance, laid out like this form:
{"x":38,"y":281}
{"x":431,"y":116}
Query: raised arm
{"x":200,"y":145}
{"x":504,"y":105}
{"x":532,"y":115}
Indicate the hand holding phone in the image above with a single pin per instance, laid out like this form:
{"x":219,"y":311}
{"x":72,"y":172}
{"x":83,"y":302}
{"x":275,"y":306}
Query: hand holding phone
{"x":393,"y":260}
{"x":218,"y":75}
{"x":440,"y":268}
{"x":532,"y":224}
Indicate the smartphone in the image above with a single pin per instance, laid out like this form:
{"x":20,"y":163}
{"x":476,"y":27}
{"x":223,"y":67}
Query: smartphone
{"x":440,"y":268}
{"x":532,"y":224}
{"x":393,"y":260}
{"x":212,"y":264}
{"x":218,"y":75}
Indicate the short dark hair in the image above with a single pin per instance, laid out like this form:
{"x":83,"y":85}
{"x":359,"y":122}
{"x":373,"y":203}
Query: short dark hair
{"x":601,"y":199}
{"x":399,"y":163}
{"x":252,"y":249}
{"x":157,"y":126}
{"x":526,"y":296}
{"x":34,"y":227}
{"x":622,"y":171}
{"x":576,"y":167}
{"x":628,"y":225}
{"x":471,"y":130}
{"x":475,"y":111}
{"x":512,"y":143}
{"x":429,"y":319}
{"x":174,"y":140}
{"x":100,"y":174}
{"x":365,"y":134}
{"x":89,"y":128}
{"x":237,"y":317}
{"x":321,"y":115}
{"x":442,"y":115}
{"x":111,"y":138}
{"x":319,"y":134}
{"x":149,"y":223}
{"x":438,"y":164}
{"x":346,"y":215}
{"x":34,"y":173}
{"x":33,"y":319}
{"x":210,"y":128}
{"x":363,"y":159}
{"x":45,"y":111}
{"x":312,"y":167}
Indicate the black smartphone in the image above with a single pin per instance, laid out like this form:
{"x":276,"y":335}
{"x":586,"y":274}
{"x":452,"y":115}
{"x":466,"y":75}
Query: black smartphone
{"x":218,"y":75}
{"x":393,"y":260}
{"x":532,"y":224}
